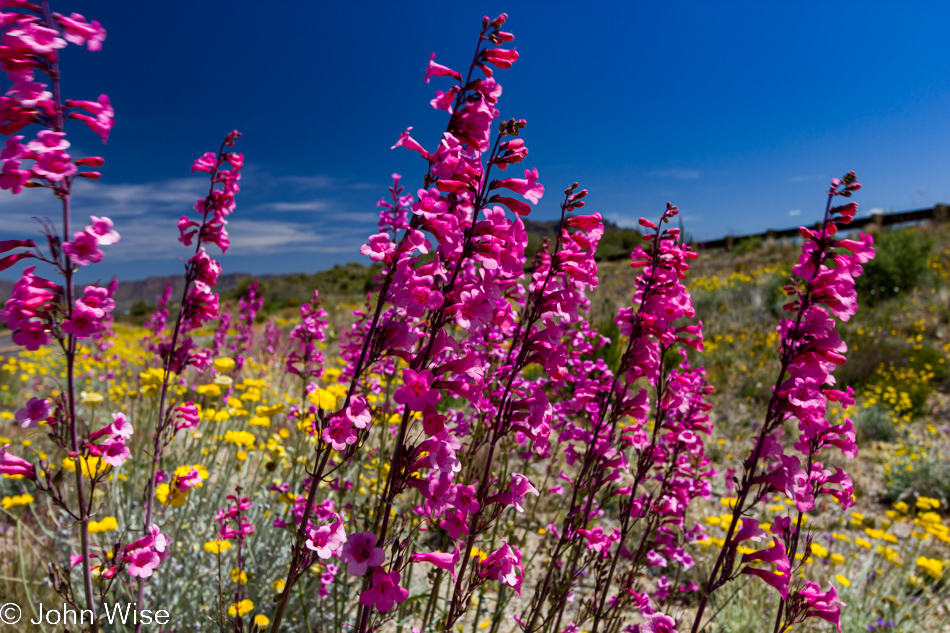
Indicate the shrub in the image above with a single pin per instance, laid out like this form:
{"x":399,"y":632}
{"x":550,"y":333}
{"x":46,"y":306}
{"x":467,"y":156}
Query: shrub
{"x":899,"y":267}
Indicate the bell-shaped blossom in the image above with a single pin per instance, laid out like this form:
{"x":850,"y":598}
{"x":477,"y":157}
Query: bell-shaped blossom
{"x":518,"y":487}
{"x":77,"y":31}
{"x":36,"y":410}
{"x":83,"y":249}
{"x":12,"y":465}
{"x":83,"y":322}
{"x":775,"y":554}
{"x":326,"y":540}
{"x":339,"y":433}
{"x":505,"y":566}
{"x":529,"y":187}
{"x":416,"y":391}
{"x":443,"y":560}
{"x":438,"y":70}
{"x":360,"y":553}
{"x":385,"y":592}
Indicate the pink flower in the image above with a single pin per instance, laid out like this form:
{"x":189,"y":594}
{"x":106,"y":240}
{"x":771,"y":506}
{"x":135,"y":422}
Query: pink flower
{"x":529,"y":187}
{"x":77,"y":31}
{"x":206,"y":268}
{"x":97,"y":300}
{"x":418,"y":296}
{"x":504,"y":565}
{"x":339,"y":433}
{"x":187,"y":416}
{"x":826,"y":605}
{"x":443,"y":560}
{"x":32,"y":37}
{"x":416,"y":390}
{"x":35,"y":411}
{"x":13,"y":465}
{"x":430,"y":204}
{"x":54,"y":166}
{"x":115,"y":452}
{"x":775,"y":554}
{"x":410,"y":143}
{"x":83,"y":323}
{"x":142,"y":562}
{"x":120,"y":427}
{"x":32,"y":335}
{"x":455,"y":523}
{"x":518,"y":487}
{"x":473,"y":310}
{"x":360,"y":553}
{"x":48,"y":141}
{"x":658,"y":623}
{"x":438,"y":70}
{"x":327,"y":540}
{"x":358,"y":412}
{"x":385,"y":592}
{"x":379,"y":248}
{"x":500,"y":57}
{"x":13,"y":178}
{"x":83,"y":250}
{"x":102,"y":229}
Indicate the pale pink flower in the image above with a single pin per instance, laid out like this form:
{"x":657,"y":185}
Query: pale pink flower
{"x":102,"y":229}
{"x":327,"y":540}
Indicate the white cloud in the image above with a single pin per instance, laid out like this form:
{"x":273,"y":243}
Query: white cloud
{"x":794,"y":212}
{"x":305,"y":205}
{"x":145,"y":216}
{"x":678,"y":174}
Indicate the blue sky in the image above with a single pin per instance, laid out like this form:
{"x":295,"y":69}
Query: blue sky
{"x":738,"y":113}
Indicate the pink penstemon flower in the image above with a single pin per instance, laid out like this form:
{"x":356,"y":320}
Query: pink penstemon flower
{"x":360,"y":553}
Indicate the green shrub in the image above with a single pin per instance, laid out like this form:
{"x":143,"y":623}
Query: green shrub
{"x":898,"y":267}
{"x":875,"y":424}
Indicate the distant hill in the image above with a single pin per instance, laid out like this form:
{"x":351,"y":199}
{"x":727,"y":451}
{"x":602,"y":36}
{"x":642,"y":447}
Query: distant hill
{"x":138,"y":296}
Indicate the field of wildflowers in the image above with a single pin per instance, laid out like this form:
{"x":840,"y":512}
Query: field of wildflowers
{"x":476,"y":447}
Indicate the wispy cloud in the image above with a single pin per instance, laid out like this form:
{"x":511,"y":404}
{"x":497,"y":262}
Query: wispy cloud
{"x":291,"y":207}
{"x":145,"y":215}
{"x":677,"y":174}
{"x":794,"y":212}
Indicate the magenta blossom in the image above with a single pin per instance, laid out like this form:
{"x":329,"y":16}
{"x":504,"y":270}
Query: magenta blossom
{"x":102,"y":229}
{"x":142,"y":562}
{"x":438,"y":70}
{"x":115,"y":452}
{"x":416,"y":391}
{"x":13,"y":465}
{"x":504,"y":565}
{"x":327,"y":540}
{"x":658,"y":623}
{"x":360,"y":553}
{"x":518,"y":487}
{"x":385,"y":592}
{"x":443,"y":560}
{"x":83,"y":323}
{"x":379,"y":248}
{"x":35,"y":411}
{"x":83,"y":250}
